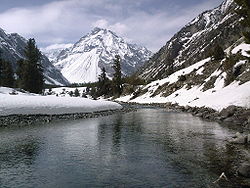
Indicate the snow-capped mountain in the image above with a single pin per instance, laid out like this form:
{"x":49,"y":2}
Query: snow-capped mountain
{"x":54,"y":50}
{"x":195,"y":41}
{"x":12,"y":49}
{"x":83,"y":62}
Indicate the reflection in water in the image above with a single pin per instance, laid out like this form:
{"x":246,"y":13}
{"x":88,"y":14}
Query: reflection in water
{"x":17,"y":158}
{"x":151,"y":147}
{"x":24,"y":150}
{"x":117,"y":133}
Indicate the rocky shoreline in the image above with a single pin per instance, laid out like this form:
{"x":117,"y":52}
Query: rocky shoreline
{"x":232,"y":115}
{"x":22,"y":120}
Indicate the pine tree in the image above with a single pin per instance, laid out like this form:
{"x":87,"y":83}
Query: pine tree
{"x":117,"y":79}
{"x":6,"y":74}
{"x":103,"y":85}
{"x":30,"y":72}
{"x":21,"y":73}
{"x":1,"y":72}
{"x":218,"y":52}
{"x":76,"y":93}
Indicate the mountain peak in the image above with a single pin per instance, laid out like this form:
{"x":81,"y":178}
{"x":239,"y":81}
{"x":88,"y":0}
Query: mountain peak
{"x":83,"y":62}
{"x":97,"y":29}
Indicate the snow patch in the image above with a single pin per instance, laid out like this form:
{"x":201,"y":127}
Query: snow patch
{"x":36,"y":104}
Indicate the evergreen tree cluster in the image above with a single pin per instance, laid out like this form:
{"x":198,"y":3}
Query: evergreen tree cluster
{"x":244,"y":12}
{"x":29,"y":71}
{"x":6,"y":74}
{"x":116,"y":86}
{"x":104,"y":86}
{"x":218,"y":52}
{"x":117,"y":79}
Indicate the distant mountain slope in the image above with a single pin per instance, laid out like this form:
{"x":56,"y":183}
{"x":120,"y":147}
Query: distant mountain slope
{"x":54,"y":50}
{"x":83,"y":62}
{"x":12,"y":49}
{"x":195,"y":41}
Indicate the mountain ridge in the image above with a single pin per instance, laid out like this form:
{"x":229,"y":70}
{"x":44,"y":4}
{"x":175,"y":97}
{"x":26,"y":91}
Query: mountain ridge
{"x":12,"y":48}
{"x":194,"y":41}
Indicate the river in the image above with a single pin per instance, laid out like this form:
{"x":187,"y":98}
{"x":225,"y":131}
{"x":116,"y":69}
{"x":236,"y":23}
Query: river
{"x":151,"y":147}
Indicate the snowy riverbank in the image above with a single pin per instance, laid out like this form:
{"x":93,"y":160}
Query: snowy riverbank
{"x":203,"y":84}
{"x":13,"y":102}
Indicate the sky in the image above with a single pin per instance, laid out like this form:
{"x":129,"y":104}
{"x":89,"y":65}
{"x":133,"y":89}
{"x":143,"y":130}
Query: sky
{"x":150,"y":23}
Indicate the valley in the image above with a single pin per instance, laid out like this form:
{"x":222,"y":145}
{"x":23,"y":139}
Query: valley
{"x":105,"y":110}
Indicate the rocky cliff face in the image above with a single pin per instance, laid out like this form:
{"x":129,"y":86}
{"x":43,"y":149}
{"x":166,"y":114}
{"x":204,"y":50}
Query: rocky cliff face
{"x":195,"y":41}
{"x":83,"y":61}
{"x":12,"y":49}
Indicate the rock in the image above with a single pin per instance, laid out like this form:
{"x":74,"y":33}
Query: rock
{"x":248,"y":138}
{"x":229,"y":111}
{"x":237,"y":135}
{"x":199,"y":114}
{"x":239,"y":140}
{"x":244,"y":170}
{"x":229,"y":119}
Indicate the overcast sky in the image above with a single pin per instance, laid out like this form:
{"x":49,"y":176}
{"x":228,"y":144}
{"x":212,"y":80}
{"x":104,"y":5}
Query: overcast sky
{"x":146,"y":22}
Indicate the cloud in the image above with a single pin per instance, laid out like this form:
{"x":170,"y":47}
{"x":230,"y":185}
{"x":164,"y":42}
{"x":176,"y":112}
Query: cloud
{"x":147,"y":22}
{"x":118,"y":27}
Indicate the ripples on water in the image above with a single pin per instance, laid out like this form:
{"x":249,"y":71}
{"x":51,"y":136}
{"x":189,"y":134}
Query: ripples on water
{"x":147,"y":148}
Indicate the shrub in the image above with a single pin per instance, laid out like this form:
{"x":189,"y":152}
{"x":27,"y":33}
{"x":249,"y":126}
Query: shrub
{"x":182,"y":78}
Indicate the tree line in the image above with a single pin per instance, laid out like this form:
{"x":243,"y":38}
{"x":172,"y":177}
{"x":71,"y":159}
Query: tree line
{"x":29,"y":72}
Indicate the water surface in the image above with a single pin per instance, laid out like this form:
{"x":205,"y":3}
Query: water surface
{"x":148,"y":148}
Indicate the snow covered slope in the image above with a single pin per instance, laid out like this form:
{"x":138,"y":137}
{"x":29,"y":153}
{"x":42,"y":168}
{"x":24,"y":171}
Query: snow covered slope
{"x":53,"y":51}
{"x":16,"y":102}
{"x":12,"y":49}
{"x":195,"y":41}
{"x":202,"y":84}
{"x":83,"y":62}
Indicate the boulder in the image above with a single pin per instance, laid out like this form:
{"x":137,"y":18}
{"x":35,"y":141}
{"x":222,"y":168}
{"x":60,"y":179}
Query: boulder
{"x":228,"y":112}
{"x":248,"y":138}
{"x":238,"y":134}
{"x":244,"y":170}
{"x":239,"y":139}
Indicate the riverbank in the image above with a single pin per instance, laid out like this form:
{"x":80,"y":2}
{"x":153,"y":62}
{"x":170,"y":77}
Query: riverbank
{"x":31,"y":119}
{"x":232,"y":115}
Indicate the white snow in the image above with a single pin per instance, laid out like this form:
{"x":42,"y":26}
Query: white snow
{"x":81,"y":67}
{"x":243,"y":48}
{"x":200,"y":71}
{"x":54,"y":50}
{"x":234,"y":94}
{"x":24,"y":103}
{"x":174,"y":77}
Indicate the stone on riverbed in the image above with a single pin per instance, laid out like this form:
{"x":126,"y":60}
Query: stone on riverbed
{"x":239,"y":139}
{"x":244,"y":170}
